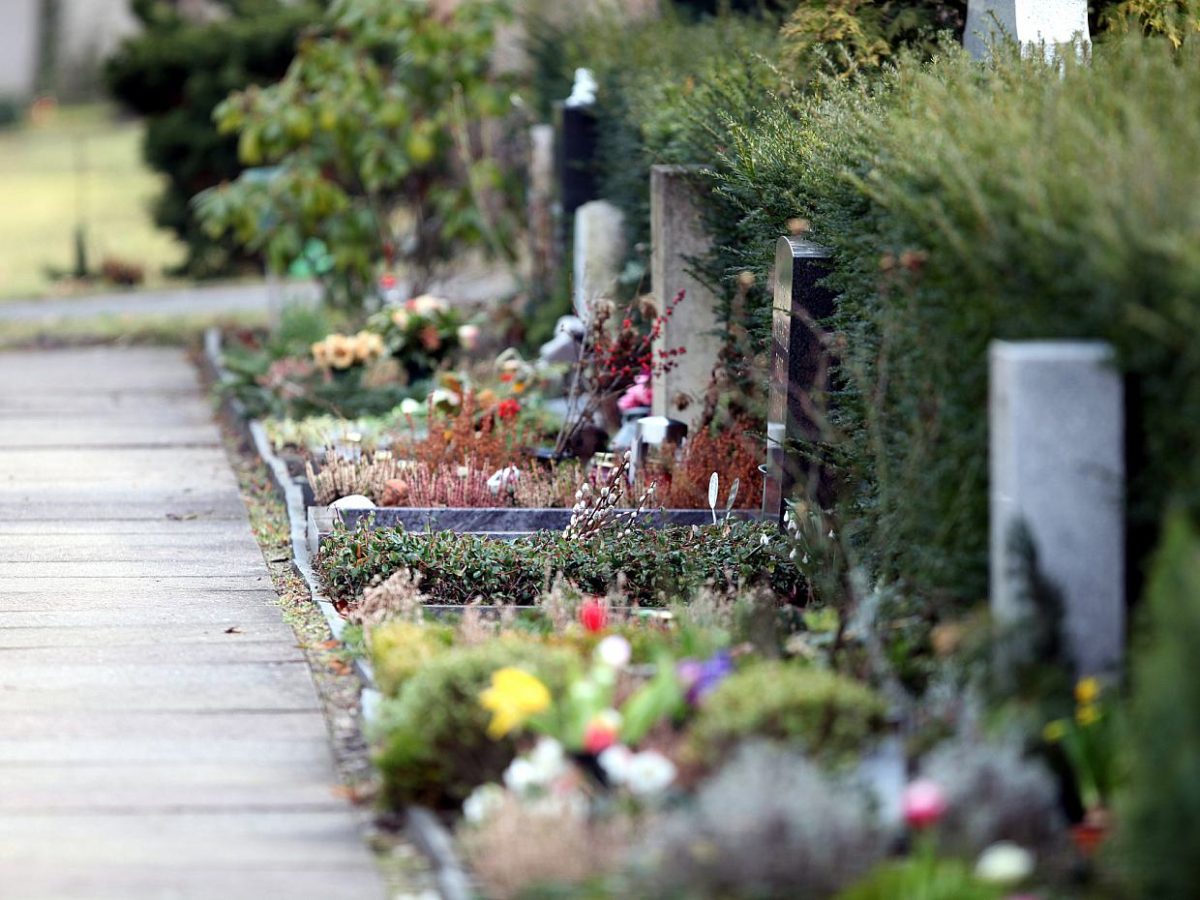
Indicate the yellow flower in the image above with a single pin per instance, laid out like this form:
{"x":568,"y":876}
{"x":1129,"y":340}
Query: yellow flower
{"x":1054,"y":731}
{"x":400,"y":318}
{"x":1088,"y":714}
{"x":367,"y":346}
{"x":341,"y":351}
{"x":320,"y":354}
{"x":1087,"y":691}
{"x":513,"y":698}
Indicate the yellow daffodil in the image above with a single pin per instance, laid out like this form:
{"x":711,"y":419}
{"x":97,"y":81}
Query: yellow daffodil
{"x":1088,"y":714}
{"x":512,"y":699}
{"x":1087,"y":691}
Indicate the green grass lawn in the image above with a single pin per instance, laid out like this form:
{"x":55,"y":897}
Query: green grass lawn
{"x":82,"y":163}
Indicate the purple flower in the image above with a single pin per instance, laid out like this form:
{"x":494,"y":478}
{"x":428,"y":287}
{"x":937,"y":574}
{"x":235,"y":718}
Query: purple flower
{"x":701,"y":678}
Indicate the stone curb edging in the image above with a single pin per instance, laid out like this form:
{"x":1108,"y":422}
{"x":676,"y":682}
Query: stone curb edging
{"x":424,"y":829}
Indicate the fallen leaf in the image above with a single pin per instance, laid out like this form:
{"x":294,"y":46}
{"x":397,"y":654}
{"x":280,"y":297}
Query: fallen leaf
{"x":337,"y":667}
{"x":233,"y":629}
{"x":182,"y":517}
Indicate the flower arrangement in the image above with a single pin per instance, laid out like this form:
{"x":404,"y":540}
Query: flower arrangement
{"x":422,"y":332}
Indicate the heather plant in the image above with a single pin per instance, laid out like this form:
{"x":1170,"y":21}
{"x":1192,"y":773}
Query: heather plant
{"x":995,"y":792}
{"x":770,"y":824}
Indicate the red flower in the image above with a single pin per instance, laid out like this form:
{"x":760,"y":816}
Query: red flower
{"x":600,"y":734}
{"x":387,"y":281}
{"x":593,"y":615}
{"x":508,"y":409}
{"x":506,"y":377}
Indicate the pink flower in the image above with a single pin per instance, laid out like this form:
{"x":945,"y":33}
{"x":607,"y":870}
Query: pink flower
{"x":923,"y":803}
{"x":637,"y":394}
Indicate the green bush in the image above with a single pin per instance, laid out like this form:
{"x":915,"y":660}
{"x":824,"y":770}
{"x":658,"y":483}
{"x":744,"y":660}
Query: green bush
{"x":1157,"y":832}
{"x":382,"y":134}
{"x":174,"y":73}
{"x":433,"y":746}
{"x":826,"y":714}
{"x":400,"y":649}
{"x":652,"y":565}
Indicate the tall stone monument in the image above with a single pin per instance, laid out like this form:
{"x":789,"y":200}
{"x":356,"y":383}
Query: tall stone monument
{"x":677,"y":236}
{"x":1057,"y":464}
{"x":1029,"y":22}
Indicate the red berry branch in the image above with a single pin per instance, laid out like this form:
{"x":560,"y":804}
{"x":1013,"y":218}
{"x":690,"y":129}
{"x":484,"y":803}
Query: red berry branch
{"x":612,"y":357}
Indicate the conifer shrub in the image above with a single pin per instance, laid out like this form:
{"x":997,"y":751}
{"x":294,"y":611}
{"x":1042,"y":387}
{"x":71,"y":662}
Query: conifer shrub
{"x":1157,"y":837}
{"x":174,"y":73}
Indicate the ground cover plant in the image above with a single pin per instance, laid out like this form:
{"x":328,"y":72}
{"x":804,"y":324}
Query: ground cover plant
{"x":650,"y":564}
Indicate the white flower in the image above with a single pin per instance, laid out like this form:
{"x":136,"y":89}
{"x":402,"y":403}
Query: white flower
{"x":410,"y":407}
{"x":502,"y":478}
{"x":426,"y":304}
{"x":1004,"y":863}
{"x":649,"y":773}
{"x":615,"y":762}
{"x":468,"y":336}
{"x":548,"y":759}
{"x":520,"y":777}
{"x":535,"y":771}
{"x":441,"y":396}
{"x":614,"y":651}
{"x":482,"y":803}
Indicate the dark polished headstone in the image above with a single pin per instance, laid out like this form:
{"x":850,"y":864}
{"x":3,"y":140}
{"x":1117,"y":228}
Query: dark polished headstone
{"x":800,"y":364}
{"x":576,"y":157}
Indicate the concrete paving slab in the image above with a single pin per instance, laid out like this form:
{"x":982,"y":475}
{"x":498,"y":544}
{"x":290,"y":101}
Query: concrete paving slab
{"x":69,"y":688}
{"x":163,"y":587}
{"x":229,"y":841}
{"x":170,"y":785}
{"x":298,"y":881}
{"x":169,"y":631}
{"x":236,"y":648}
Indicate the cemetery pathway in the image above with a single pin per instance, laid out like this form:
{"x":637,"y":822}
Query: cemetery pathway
{"x":160,"y":733}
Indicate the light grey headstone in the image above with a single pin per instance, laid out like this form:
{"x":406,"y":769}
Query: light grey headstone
{"x":677,"y":236}
{"x":1029,"y":22}
{"x":542,"y":244}
{"x":1058,"y":472}
{"x":599,"y":253}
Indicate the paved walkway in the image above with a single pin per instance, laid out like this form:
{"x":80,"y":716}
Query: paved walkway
{"x":223,"y":299}
{"x":160,"y":735}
